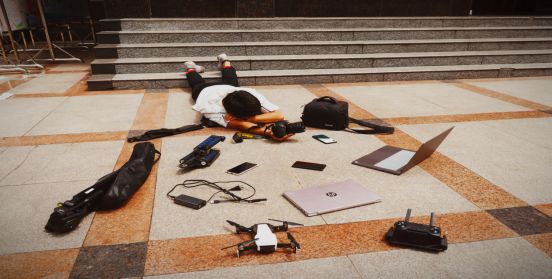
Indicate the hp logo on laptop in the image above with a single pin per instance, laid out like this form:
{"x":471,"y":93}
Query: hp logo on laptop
{"x":331,"y":194}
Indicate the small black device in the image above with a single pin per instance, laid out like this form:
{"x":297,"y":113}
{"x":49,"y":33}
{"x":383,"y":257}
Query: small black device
{"x":189,"y":201}
{"x":203,"y":155}
{"x":241,"y":168}
{"x":238,"y":137}
{"x":419,"y":236}
{"x":308,"y":166}
{"x":324,"y":139}
{"x":282,"y":128}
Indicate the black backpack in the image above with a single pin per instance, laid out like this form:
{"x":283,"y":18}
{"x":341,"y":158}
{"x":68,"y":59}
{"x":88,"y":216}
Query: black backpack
{"x":328,"y":113}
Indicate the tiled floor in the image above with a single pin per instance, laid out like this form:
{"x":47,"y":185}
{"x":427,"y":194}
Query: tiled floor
{"x":57,"y":83}
{"x":520,"y":89}
{"x":489,"y":182}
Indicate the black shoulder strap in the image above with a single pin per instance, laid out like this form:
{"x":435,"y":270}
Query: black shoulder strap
{"x":164,"y":132}
{"x":377,"y":126}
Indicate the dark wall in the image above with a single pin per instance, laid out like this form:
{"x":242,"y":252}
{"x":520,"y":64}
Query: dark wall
{"x":320,"y":8}
{"x":359,"y":8}
{"x":512,"y":7}
{"x":127,"y":8}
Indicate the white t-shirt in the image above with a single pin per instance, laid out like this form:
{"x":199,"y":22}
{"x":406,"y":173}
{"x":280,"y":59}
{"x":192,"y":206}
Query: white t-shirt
{"x":209,"y":102}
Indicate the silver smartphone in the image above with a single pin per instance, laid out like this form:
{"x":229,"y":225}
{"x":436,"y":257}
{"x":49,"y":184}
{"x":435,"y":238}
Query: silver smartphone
{"x":241,"y":168}
{"x":323,"y":138}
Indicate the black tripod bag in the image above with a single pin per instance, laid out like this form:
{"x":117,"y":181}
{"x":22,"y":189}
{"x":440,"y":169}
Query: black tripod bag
{"x":109,"y":192}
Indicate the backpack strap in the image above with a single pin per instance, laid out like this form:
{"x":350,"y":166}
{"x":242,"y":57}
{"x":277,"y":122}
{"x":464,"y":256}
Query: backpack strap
{"x":164,"y":132}
{"x":377,"y":126}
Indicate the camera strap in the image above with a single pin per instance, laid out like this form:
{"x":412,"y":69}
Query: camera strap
{"x":377,"y":126}
{"x":164,"y":132}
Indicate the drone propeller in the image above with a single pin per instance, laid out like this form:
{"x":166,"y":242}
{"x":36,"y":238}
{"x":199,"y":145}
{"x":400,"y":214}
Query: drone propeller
{"x":241,"y":243}
{"x":293,"y":241}
{"x":288,"y":222}
{"x":238,"y":226}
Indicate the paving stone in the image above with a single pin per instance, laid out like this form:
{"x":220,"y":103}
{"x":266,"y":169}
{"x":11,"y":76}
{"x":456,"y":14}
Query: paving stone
{"x":60,"y":162}
{"x":117,"y":261}
{"x":18,"y":116}
{"x":421,"y":99}
{"x":26,"y":209}
{"x":338,"y":267}
{"x":85,"y":114}
{"x":517,"y":162}
{"x":524,"y":220}
{"x":57,"y":83}
{"x":504,"y":258}
{"x":533,"y":90}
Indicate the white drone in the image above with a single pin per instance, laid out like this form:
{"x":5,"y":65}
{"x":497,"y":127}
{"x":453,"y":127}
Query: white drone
{"x":265,"y":240}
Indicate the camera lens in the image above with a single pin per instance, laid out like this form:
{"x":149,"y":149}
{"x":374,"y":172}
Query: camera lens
{"x":294,"y":128}
{"x":283,"y":128}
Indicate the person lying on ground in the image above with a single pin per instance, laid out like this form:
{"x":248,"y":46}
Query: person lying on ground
{"x":229,"y":105}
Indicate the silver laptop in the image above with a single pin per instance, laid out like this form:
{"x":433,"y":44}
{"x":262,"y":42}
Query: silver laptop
{"x":397,"y":160}
{"x":331,"y":197}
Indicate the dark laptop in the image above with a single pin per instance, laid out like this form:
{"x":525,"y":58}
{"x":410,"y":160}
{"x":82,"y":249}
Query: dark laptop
{"x":397,"y":160}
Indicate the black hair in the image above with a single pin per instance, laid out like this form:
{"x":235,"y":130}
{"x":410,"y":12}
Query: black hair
{"x":241,"y":104}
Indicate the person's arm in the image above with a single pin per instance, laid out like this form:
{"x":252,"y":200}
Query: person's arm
{"x":268,"y":117}
{"x":252,"y":128}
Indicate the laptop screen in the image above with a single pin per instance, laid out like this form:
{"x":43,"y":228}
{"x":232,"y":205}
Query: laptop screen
{"x":396,"y":161}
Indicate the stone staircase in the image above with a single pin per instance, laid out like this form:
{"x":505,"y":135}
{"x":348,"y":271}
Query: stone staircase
{"x":149,"y":53}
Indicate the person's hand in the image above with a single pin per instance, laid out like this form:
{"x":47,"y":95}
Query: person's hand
{"x":228,"y":117}
{"x":273,"y":137}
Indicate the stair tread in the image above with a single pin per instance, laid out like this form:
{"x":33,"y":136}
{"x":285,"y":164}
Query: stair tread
{"x":303,"y":72}
{"x":320,"y":56}
{"x":164,"y":31}
{"x":326,"y":18}
{"x":367,"y":42}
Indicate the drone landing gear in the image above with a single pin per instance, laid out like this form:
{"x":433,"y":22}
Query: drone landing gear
{"x":242,"y":248}
{"x":293,"y":244}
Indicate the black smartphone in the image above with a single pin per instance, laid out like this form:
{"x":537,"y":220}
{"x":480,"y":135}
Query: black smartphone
{"x":308,"y":166}
{"x":241,"y":168}
{"x":324,"y":139}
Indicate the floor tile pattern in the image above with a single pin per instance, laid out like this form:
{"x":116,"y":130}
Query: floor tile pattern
{"x":57,"y":138}
{"x":524,"y":220}
{"x":113,"y":261}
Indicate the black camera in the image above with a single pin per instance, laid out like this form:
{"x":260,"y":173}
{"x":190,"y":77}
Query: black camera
{"x":282,"y":128}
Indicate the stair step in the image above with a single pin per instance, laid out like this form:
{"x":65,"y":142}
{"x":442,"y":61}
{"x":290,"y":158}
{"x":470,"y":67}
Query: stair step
{"x":281,"y":62}
{"x":149,"y":53}
{"x":316,"y":47}
{"x":330,"y":22}
{"x":301,"y":76}
{"x":264,"y":35}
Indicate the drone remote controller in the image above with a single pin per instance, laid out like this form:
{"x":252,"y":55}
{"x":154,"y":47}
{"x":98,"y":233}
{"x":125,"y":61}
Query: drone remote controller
{"x":420,"y":236}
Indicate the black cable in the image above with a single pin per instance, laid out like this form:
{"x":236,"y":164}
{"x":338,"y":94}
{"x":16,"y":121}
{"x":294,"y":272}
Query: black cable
{"x":192,"y":183}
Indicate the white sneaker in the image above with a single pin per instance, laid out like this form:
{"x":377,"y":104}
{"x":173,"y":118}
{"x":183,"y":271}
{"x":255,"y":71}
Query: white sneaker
{"x":221,"y":59}
{"x":192,"y":65}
